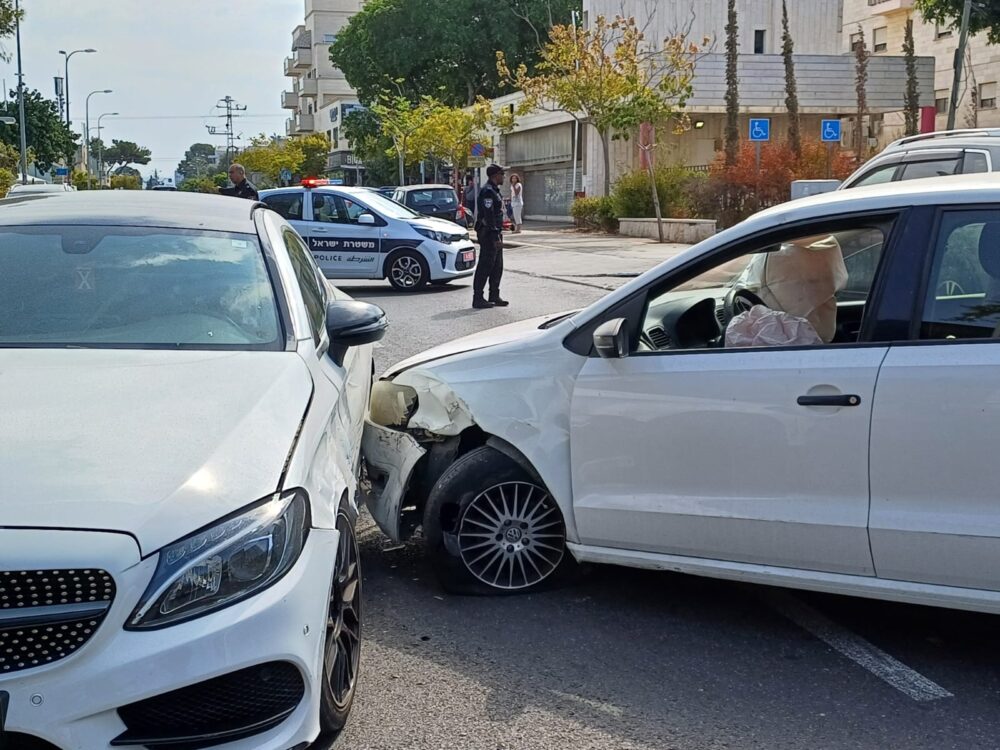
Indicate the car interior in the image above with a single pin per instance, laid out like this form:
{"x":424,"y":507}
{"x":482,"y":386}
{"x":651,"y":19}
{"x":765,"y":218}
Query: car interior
{"x":89,"y":286}
{"x":816,"y":286}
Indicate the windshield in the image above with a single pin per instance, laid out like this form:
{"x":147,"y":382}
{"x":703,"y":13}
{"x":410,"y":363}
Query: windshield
{"x":387,"y":207}
{"x":135,"y":288}
{"x":435,"y":199}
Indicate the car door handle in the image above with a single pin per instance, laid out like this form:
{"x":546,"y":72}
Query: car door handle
{"x":836,"y":400}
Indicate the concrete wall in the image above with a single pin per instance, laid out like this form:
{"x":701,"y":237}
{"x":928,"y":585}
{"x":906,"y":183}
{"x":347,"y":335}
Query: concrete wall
{"x":686,"y":231}
{"x":815,"y":24}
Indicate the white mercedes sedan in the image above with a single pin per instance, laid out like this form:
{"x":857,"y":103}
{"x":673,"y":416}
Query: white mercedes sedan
{"x":182,"y":396}
{"x":809,"y":399}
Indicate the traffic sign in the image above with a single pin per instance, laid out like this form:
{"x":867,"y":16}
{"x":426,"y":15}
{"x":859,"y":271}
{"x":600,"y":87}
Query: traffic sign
{"x":760,"y":129}
{"x":61,"y":171}
{"x":286,"y":175}
{"x":478,"y":150}
{"x":831,"y":131}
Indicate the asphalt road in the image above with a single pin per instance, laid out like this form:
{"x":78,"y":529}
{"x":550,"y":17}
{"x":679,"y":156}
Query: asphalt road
{"x":653,"y":661}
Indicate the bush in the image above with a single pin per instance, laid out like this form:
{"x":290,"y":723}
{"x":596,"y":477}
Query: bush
{"x":595,"y":213}
{"x":7,"y":179}
{"x":83,"y":181}
{"x":126,"y":182}
{"x":632,"y":195}
{"x":198,"y":185}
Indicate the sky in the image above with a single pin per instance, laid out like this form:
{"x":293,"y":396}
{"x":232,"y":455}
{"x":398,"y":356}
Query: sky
{"x":168,"y":62}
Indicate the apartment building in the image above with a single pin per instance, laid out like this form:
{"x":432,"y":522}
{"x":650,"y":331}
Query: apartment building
{"x":320,"y":96}
{"x":883,"y":23}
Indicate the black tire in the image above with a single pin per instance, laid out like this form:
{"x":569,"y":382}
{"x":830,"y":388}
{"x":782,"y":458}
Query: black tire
{"x":407,"y":271}
{"x":491,"y":527}
{"x":342,"y":640}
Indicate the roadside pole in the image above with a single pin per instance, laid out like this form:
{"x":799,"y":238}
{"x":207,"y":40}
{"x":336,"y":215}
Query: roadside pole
{"x":760,"y":132}
{"x":959,"y":63}
{"x":20,"y":97}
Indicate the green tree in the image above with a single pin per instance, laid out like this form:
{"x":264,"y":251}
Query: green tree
{"x":364,"y":131}
{"x":436,"y":47}
{"x":912,"y":110}
{"x":83,"y":181}
{"x":791,"y":87}
{"x":126,"y":182}
{"x":400,"y":120}
{"x":315,"y":148}
{"x":10,"y":158}
{"x":49,"y":140}
{"x":198,"y":161}
{"x":267,"y":156}
{"x":732,"y":86}
{"x":124,"y":153}
{"x":8,"y":23}
{"x":985,"y":15}
{"x":861,"y":57}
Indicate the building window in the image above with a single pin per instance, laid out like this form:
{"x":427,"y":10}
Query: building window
{"x":329,"y":38}
{"x":880,"y":39}
{"x":941,"y":32}
{"x":335,"y":137}
{"x":941,"y":101}
{"x":856,"y":39}
{"x":759,"y":37}
{"x":988,"y":95}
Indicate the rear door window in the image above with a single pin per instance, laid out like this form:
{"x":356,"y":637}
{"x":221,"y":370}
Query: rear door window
{"x":975,"y":162}
{"x":287,"y":205}
{"x":931,"y":168}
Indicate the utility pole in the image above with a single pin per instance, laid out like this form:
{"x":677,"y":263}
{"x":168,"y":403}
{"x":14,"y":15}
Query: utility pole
{"x":232,"y":109}
{"x":20,"y":97}
{"x":956,"y":81}
{"x":576,"y":121}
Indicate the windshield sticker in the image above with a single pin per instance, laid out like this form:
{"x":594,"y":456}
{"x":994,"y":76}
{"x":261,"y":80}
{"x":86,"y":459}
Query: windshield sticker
{"x":85,"y":279}
{"x":241,"y":244}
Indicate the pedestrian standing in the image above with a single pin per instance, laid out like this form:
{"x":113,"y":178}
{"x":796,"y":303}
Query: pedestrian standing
{"x":517,"y":202}
{"x":470,"y":195}
{"x":489,"y":232}
{"x":242,"y":187}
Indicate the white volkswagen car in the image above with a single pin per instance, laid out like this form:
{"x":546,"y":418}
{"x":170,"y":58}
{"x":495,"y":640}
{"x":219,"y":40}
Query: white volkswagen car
{"x":356,"y":233}
{"x":182,"y":398}
{"x":808,"y":399}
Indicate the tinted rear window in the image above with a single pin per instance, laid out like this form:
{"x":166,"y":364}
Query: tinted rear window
{"x":135,"y":288}
{"x":434,"y":199}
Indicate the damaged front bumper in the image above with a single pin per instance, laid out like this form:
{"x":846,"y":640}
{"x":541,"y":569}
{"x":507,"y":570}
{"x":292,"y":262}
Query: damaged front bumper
{"x":391,"y":457}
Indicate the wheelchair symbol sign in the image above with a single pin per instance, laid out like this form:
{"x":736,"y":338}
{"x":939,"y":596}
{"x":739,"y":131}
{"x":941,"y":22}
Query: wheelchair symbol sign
{"x":831,"y":131}
{"x":760,"y":130}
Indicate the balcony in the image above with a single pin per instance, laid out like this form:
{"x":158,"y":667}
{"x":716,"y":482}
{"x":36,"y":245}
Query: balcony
{"x":307,"y":87}
{"x":302,"y":58}
{"x":888,"y":7}
{"x":302,"y":123}
{"x":290,"y":70}
{"x":289,"y":100}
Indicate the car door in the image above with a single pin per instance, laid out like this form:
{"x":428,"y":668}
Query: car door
{"x":935,"y":514}
{"x":290,"y":205}
{"x":341,"y":247}
{"x":755,"y":455}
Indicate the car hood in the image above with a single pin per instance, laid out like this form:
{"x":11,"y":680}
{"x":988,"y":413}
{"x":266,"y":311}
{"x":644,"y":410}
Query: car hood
{"x":438,"y":225}
{"x":524,"y":330}
{"x":156,"y":444}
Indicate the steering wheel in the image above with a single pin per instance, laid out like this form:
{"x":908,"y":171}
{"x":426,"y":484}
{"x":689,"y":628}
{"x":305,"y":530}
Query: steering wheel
{"x":738,"y":301}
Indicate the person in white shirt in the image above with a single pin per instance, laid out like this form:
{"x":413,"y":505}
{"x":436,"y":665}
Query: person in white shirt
{"x":517,"y":201}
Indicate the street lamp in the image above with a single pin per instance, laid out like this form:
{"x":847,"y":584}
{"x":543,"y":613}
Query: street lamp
{"x":100,"y":147}
{"x":68,"y":55}
{"x":86,"y":130}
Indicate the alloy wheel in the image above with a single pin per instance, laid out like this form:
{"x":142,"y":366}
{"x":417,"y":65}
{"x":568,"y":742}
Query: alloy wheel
{"x":406,"y":271}
{"x":512,"y":536}
{"x":343,"y":627}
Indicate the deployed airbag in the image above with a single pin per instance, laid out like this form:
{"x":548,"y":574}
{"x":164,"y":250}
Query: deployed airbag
{"x":760,"y":326}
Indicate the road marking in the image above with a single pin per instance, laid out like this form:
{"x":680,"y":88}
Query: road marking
{"x":857,"y":649}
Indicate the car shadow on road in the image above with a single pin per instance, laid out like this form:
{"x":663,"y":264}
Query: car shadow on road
{"x":657,"y":659}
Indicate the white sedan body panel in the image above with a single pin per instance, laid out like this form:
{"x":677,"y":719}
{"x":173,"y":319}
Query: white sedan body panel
{"x":200,"y":413}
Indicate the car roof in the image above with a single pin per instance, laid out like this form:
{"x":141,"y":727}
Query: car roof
{"x":958,"y":139}
{"x":131,"y":208}
{"x":428,"y":186}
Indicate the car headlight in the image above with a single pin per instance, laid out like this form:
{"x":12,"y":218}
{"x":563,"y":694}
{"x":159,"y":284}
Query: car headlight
{"x":433,"y":234}
{"x":392,"y":405}
{"x":225,"y":563}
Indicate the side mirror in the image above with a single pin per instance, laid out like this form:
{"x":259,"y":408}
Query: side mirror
{"x":352,"y":323}
{"x":611,"y":339}
{"x":366,"y":219}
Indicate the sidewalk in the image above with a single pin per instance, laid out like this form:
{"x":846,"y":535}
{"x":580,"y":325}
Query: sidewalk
{"x":601,"y":260}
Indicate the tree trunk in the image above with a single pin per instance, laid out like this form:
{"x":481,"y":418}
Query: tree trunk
{"x":606,"y":147}
{"x":732,"y":139}
{"x":402,"y":180}
{"x":656,"y":196}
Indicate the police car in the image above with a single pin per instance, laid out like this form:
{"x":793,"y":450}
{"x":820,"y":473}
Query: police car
{"x":355,"y":233}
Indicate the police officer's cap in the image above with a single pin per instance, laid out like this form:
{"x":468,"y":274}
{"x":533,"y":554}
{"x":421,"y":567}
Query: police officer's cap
{"x":493,"y":169}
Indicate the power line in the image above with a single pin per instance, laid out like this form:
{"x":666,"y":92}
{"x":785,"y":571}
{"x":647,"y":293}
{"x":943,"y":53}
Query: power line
{"x":199,"y":117}
{"x":230,"y":106}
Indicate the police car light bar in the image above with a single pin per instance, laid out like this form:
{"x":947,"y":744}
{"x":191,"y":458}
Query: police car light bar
{"x":311,"y":182}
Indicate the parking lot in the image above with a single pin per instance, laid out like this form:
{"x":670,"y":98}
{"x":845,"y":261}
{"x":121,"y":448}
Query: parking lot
{"x":632,"y":659}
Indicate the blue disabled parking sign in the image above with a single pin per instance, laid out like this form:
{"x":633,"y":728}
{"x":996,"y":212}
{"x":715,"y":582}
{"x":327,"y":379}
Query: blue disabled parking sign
{"x":831,"y":131}
{"x":760,"y":129}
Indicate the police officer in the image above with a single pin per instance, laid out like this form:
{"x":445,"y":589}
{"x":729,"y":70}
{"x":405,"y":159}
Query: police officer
{"x":489,"y":231}
{"x":242,"y":187}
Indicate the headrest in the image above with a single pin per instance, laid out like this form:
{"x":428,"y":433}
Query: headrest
{"x":989,"y":248}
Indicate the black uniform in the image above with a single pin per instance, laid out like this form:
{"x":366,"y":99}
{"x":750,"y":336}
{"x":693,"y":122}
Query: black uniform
{"x":245,"y":189}
{"x":489,"y":231}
